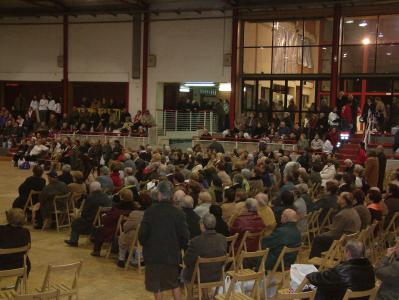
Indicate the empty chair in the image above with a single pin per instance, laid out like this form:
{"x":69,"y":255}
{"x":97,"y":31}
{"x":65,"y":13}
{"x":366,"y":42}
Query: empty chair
{"x":61,"y":211}
{"x":19,"y":275}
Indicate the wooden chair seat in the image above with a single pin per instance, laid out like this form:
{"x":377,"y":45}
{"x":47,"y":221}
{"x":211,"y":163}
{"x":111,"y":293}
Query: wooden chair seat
{"x":319,"y":261}
{"x":234,"y":297}
{"x":8,"y":294}
{"x":241,"y":272}
{"x":291,"y":296}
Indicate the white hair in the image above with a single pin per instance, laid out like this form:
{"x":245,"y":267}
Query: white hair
{"x":95,"y":186}
{"x":251,"y":204}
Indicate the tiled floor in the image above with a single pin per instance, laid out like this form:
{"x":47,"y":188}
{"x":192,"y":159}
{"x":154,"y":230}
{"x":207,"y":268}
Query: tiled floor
{"x":100,"y":279}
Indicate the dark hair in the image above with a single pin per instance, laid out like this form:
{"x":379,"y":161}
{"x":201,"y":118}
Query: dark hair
{"x":37,"y":171}
{"x":393,"y":190}
{"x":287,"y":198}
{"x":179,"y":177}
{"x":144,"y":201}
{"x":216,"y":210}
{"x":374,"y":196}
{"x":217,"y":181}
{"x":359,"y":196}
{"x":348,"y":178}
{"x":348,"y":197}
{"x":230,"y":195}
{"x":332,"y":187}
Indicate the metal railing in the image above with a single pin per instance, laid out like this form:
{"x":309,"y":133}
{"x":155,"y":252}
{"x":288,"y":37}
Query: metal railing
{"x":177,"y":120}
{"x":249,"y":146}
{"x":126,"y":141}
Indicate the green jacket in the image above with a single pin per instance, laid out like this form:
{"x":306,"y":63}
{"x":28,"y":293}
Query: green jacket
{"x":285,"y":235}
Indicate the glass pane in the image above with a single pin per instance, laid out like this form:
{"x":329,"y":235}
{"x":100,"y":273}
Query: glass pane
{"x":387,"y":58}
{"x":287,"y":60}
{"x":325,"y":86}
{"x":396,"y":86}
{"x":353,"y":86}
{"x":264,"y":95}
{"x":360,"y":30}
{"x":388,"y":29}
{"x":318,"y":32}
{"x":263,"y":60}
{"x":325,"y":64}
{"x":358,"y":59}
{"x":249,"y":96}
{"x":308,"y":95}
{"x":310,"y":59}
{"x":249,"y":60}
{"x":379,"y":85}
{"x":258,"y":34}
{"x":325,"y":103}
{"x":288,"y":33}
{"x":279,"y":91}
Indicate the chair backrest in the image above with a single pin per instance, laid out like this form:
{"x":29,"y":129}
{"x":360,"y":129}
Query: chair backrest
{"x":51,"y":269}
{"x":280,"y":263}
{"x":327,"y":219}
{"x":302,"y":295}
{"x":18,"y":274}
{"x":353,"y":295}
{"x":29,"y":201}
{"x":391,"y":227}
{"x":60,"y":200}
{"x":48,"y":295}
{"x":23,"y":249}
{"x":237,"y":277}
{"x":64,"y":197}
{"x":260,"y":255}
{"x":231,"y":242}
{"x":97,"y":220}
{"x":196,"y":277}
{"x":253,"y":235}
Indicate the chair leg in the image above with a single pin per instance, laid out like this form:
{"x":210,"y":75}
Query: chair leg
{"x":129,"y":257}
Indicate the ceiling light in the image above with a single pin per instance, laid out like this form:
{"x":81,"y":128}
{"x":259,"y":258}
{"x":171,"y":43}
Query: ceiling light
{"x":324,"y":48}
{"x":184,"y":89}
{"x":349,"y":21}
{"x":380,"y":35}
{"x":225,"y":87}
{"x":366,"y":41}
{"x":363,"y":23}
{"x":389,"y":53}
{"x":345,"y":54}
{"x":201,"y":84}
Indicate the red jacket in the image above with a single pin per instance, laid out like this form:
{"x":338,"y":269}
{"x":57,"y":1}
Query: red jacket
{"x":247,"y":221}
{"x":361,"y":157}
{"x":347,"y":114}
{"x":334,"y":138}
{"x":116,"y":179}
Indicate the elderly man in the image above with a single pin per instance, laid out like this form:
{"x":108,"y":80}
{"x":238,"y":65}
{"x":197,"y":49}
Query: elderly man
{"x":54,"y":188}
{"x":266,"y":213}
{"x":66,"y":176}
{"x":208,"y":245}
{"x":346,"y":221}
{"x":387,"y":271}
{"x":250,"y":221}
{"x":287,"y":234}
{"x":84,"y":224}
{"x":356,"y":273}
{"x":192,"y":219}
{"x":205,"y":201}
{"x":163,"y":233}
{"x":105,"y":180}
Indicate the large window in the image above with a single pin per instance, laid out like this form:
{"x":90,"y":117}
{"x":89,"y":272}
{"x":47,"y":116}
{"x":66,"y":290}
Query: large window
{"x":290,"y":47}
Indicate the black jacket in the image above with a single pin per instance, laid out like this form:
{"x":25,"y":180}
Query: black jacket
{"x":20,"y":237}
{"x":65,"y":178}
{"x":30,"y":183}
{"x":163,"y":233}
{"x":193,"y":221}
{"x":355,"y":274}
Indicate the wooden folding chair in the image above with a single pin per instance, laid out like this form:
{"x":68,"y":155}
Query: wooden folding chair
{"x":118,"y":231}
{"x":326,"y":222}
{"x":300,"y":295}
{"x":253,"y":235}
{"x":255,"y":293}
{"x":196,"y":277}
{"x":271,"y":278}
{"x":231,"y":256}
{"x":328,"y":259}
{"x":136,"y":247}
{"x":390,"y":232}
{"x":29,"y":204}
{"x":73,"y":210}
{"x":313,"y":228}
{"x":49,"y":295}
{"x":372,"y":294}
{"x":61,"y":204}
{"x":20,"y":276}
{"x":102,"y":210}
{"x":66,"y":289}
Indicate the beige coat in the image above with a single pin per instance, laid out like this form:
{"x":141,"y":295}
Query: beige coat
{"x":129,"y":228}
{"x":371,"y":171}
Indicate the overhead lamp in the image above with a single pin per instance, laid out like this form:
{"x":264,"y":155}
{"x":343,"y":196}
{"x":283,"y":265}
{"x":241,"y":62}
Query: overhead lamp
{"x":324,"y":48}
{"x":200,"y":84}
{"x":389,"y":53}
{"x":225,"y":87}
{"x":345,"y":55}
{"x":184,"y":89}
{"x":363,"y":23}
{"x":366,"y":41}
{"x":349,"y":21}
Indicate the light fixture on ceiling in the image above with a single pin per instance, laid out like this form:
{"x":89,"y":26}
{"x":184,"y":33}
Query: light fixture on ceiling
{"x":225,"y":87}
{"x":389,"y":53}
{"x":363,"y":23}
{"x":324,"y":48}
{"x":345,"y":55}
{"x":366,"y":41}
{"x":184,"y":89}
{"x":349,"y":21}
{"x":200,"y":84}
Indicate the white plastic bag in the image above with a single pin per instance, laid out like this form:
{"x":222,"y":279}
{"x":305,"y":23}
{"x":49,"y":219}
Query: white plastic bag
{"x":298,"y":273}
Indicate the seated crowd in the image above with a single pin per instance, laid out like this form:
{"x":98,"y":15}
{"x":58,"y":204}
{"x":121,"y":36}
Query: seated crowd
{"x":172,"y":200}
{"x":45,"y":116}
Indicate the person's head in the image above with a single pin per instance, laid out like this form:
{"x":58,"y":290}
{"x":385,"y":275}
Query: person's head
{"x":358,"y":197}
{"x":262,"y":199}
{"x":178,"y":197}
{"x":380,"y":149}
{"x":95,"y":186}
{"x":216,"y":210}
{"x":208,"y":222}
{"x":348,"y":163}
{"x":302,"y":188}
{"x":230,"y":195}
{"x":37,"y":171}
{"x":289,"y":215}
{"x":204,"y":197}
{"x":15,"y":217}
{"x":374,"y":195}
{"x":287,"y":198}
{"x":165,"y":189}
{"x":52,"y":176}
{"x":104,"y":171}
{"x":393,"y":190}
{"x":345,"y":199}
{"x":332,"y":187}
{"x":66,"y":168}
{"x":187,"y":202}
{"x":126,"y":195}
{"x":251,"y":205}
{"x":354,"y":249}
{"x":77,"y":176}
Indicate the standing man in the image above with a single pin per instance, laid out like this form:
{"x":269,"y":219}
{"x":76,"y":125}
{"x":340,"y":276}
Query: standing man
{"x":43,"y":108}
{"x":341,"y":102}
{"x":163,"y":233}
{"x":355,"y":108}
{"x":382,"y":163}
